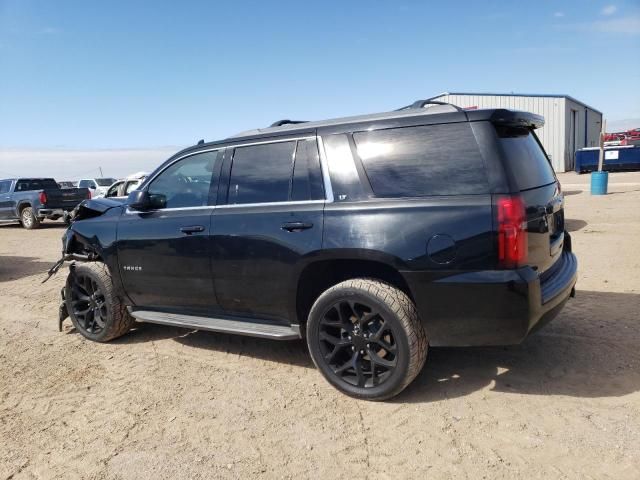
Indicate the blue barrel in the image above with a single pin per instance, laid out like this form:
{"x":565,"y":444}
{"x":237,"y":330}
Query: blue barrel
{"x":599,"y":182}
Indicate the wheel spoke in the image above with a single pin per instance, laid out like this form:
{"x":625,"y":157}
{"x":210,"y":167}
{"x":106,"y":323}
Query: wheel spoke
{"x":378,"y":334}
{"x":99,"y":318}
{"x":347,"y":365}
{"x":330,"y":357}
{"x":376,"y":359}
{"x":82,"y":312}
{"x":387,"y":346}
{"x":357,"y":366}
{"x":330,"y":338}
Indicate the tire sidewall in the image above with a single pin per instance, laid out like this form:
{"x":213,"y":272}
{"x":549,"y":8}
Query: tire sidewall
{"x":324,"y":303}
{"x":86,"y":270}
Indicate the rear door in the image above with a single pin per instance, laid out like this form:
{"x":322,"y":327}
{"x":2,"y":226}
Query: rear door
{"x":6,"y":210}
{"x":163,"y":253}
{"x":533,"y":175}
{"x":272,"y":220}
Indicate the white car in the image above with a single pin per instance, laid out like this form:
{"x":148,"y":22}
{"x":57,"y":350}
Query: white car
{"x":122,"y":188}
{"x":97,"y":186}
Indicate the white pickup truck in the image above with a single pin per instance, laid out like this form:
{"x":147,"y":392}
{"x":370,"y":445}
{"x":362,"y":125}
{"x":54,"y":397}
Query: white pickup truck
{"x":98,"y":186}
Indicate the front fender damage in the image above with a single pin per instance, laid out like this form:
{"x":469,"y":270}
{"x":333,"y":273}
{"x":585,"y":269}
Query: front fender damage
{"x":77,"y":247}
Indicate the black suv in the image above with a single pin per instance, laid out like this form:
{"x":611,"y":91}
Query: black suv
{"x":371,"y":236}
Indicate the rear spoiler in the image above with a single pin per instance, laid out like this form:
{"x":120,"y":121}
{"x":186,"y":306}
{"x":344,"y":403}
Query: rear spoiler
{"x":515,"y":118}
{"x":510,"y":118}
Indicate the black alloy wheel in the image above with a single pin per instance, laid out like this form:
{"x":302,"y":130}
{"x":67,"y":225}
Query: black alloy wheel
{"x":94,"y":307}
{"x":365,"y":337}
{"x":357,"y":343}
{"x":88,"y":303}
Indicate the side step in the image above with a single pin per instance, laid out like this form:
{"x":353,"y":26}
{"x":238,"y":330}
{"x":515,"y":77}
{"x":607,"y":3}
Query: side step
{"x":247,"y":326}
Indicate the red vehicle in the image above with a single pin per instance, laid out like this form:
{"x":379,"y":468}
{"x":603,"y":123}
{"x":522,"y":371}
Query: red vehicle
{"x":630,"y":137}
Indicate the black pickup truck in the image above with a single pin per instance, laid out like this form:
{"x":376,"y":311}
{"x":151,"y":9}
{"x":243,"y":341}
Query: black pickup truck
{"x":31,"y":200}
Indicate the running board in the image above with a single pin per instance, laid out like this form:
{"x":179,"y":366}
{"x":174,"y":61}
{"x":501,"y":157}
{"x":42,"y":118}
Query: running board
{"x":247,"y":326}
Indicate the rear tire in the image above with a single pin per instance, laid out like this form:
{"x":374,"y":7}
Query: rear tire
{"x":95,"y":311}
{"x":366,"y":339}
{"x":28,"y":219}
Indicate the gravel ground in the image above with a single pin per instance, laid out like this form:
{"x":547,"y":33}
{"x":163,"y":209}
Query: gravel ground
{"x":170,"y":403}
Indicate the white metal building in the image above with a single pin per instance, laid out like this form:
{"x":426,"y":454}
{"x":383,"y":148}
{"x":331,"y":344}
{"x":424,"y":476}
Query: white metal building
{"x":569,"y":124}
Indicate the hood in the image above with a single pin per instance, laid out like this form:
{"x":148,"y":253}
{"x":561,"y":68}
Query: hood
{"x":95,"y":207}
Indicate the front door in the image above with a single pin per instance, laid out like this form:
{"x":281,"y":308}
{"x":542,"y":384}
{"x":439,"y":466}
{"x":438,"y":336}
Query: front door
{"x":164,"y":253}
{"x":272,"y":220}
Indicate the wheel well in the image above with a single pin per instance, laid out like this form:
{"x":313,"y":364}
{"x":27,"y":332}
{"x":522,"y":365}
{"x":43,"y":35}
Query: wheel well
{"x":319,"y":276}
{"x":22,"y":206}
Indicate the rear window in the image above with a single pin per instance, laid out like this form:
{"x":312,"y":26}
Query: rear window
{"x":422,"y":161}
{"x":105,"y":182}
{"x":36,"y":184}
{"x":526,"y":158}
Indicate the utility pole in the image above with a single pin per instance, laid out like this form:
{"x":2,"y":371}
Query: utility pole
{"x":101,"y":174}
{"x":602,"y":134}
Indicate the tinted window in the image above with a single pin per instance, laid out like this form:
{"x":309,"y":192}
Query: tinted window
{"x":307,"y":177}
{"x":187,"y":182}
{"x":87,"y":184}
{"x":105,"y":182}
{"x":36,"y":184}
{"x":419,"y":161}
{"x":261,"y":173}
{"x":526,"y":158}
{"x":5,"y":186}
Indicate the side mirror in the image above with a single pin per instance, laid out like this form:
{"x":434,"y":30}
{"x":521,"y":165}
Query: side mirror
{"x":139,"y":200}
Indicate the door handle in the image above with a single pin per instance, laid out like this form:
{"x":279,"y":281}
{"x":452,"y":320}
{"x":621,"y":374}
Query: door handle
{"x":192,"y":229}
{"x":296,"y":226}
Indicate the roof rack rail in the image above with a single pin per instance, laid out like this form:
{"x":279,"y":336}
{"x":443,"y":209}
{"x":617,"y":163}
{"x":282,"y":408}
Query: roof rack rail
{"x":428,"y":101}
{"x":279,"y":123}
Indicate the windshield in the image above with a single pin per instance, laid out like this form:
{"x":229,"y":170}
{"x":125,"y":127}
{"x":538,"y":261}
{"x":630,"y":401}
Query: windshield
{"x":105,"y":182}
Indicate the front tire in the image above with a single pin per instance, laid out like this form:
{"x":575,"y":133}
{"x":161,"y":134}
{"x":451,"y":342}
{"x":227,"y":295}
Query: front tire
{"x":366,"y":339}
{"x":28,"y":219}
{"x":95,"y":311}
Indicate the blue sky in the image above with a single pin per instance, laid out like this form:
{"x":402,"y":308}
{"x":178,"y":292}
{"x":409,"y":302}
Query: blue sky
{"x":88,"y":74}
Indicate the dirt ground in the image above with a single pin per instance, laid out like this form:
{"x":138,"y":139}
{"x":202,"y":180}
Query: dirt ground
{"x":169,"y":403}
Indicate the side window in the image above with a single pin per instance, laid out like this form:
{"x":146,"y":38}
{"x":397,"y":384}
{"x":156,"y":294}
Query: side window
{"x":131,"y":186}
{"x":187,"y":182}
{"x":87,"y":184}
{"x":113,"y":190}
{"x":261,"y":173}
{"x":24,"y":186}
{"x":307,"y":176}
{"x":5,"y":186}
{"x":421,"y":161}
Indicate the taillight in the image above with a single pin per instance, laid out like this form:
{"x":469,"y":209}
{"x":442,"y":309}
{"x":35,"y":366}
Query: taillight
{"x":43,"y":198}
{"x":512,"y":232}
{"x":88,"y":194}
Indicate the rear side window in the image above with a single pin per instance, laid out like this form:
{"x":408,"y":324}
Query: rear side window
{"x":261,"y":173}
{"x":307,"y":177}
{"x":526,"y":158}
{"x":5,"y":186}
{"x":422,"y":161}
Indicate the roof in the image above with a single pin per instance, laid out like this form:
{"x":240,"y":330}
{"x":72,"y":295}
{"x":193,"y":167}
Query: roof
{"x":541,"y":95}
{"x":435,"y":109}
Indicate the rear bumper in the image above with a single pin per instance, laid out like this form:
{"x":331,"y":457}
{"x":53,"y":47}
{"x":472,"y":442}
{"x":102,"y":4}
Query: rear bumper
{"x":496,"y":307}
{"x":53,"y":212}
